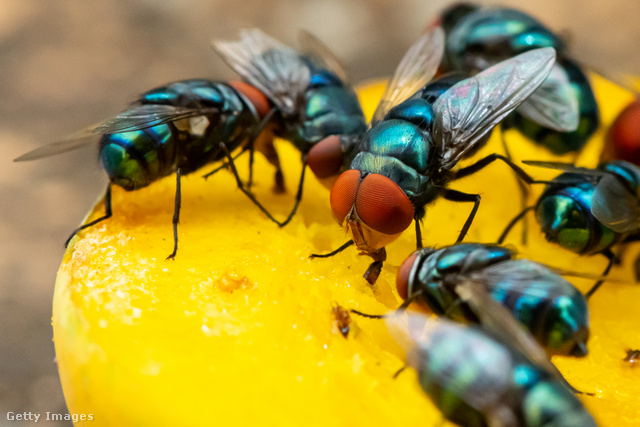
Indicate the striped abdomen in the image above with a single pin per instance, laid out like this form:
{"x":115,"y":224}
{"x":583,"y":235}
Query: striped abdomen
{"x":564,"y":214}
{"x":551,"y":308}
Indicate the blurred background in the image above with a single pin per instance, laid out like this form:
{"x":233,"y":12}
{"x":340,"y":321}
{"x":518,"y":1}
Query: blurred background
{"x":70,"y":63}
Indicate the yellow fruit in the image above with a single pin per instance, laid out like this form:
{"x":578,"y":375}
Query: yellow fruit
{"x":240,"y":328}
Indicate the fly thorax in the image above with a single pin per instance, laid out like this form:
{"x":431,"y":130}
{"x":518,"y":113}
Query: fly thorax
{"x":565,"y":218}
{"x":410,"y":181}
{"x":401,"y":140}
{"x":330,"y":110}
{"x":419,"y":111}
{"x":429,"y":281}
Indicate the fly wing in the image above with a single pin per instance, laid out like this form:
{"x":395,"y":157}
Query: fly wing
{"x":145,"y":116}
{"x":523,"y":276}
{"x":567,"y":167}
{"x":72,"y":142}
{"x":499,"y":321}
{"x":555,"y":104}
{"x":481,"y":392}
{"x":472,"y":107}
{"x":321,"y":54}
{"x":135,"y":118}
{"x":614,"y":205}
{"x":274,"y":68}
{"x":416,"y":69}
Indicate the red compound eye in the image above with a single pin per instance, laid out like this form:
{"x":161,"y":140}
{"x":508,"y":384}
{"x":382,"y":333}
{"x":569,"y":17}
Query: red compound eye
{"x":257,"y":98}
{"x":383,"y":206}
{"x":343,"y":194}
{"x":325,"y":157}
{"x":402,"y":279}
{"x":625,"y":134}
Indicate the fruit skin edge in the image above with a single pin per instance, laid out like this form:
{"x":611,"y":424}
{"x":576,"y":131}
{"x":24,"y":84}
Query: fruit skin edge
{"x":239,"y":329}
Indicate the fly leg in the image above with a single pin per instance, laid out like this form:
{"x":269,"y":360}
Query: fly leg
{"x":524,"y":191}
{"x":513,"y":222}
{"x":375,"y":268}
{"x":334,"y":252}
{"x":224,"y":165}
{"x":418,"y":234}
{"x":263,"y":142}
{"x":480,"y":164}
{"x":176,"y":216}
{"x":251,"y":197}
{"x":107,"y":214}
{"x":410,"y":300}
{"x":458,"y":196}
{"x":612,"y":258}
{"x":477,"y":166}
{"x":298,"y":193}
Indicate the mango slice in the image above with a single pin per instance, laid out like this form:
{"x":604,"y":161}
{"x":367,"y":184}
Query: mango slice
{"x":241,"y":328}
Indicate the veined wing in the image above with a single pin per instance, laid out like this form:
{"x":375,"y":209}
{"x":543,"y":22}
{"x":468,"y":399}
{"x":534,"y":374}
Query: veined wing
{"x":322,"y":55}
{"x":480,"y":392}
{"x":135,"y":118}
{"x":555,"y":104}
{"x":416,"y":69}
{"x":472,"y":107}
{"x":71,"y":142}
{"x":500,"y":322}
{"x":274,"y":68}
{"x":145,"y":116}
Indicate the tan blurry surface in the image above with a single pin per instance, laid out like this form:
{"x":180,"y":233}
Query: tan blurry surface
{"x":71,"y":63}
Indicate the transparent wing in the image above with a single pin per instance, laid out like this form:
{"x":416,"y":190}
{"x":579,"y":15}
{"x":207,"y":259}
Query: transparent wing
{"x":472,"y":107}
{"x":499,"y":321}
{"x":135,"y":118}
{"x":615,"y":206}
{"x":141,"y":117}
{"x":321,"y":54}
{"x":71,"y":142}
{"x":480,"y":392}
{"x":554,"y":105}
{"x":416,"y":68}
{"x":567,"y":167}
{"x":274,"y":68}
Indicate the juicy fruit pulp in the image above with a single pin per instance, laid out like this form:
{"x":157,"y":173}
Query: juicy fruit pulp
{"x":241,"y":329}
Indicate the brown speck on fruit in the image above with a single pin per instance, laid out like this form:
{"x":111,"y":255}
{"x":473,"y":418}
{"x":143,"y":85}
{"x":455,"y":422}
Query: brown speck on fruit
{"x":633,"y":356}
{"x":343,"y":320}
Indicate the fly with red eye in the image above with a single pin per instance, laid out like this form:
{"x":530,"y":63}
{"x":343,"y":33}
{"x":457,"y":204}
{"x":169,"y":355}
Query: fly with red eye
{"x":417,"y":136}
{"x":311,"y":98}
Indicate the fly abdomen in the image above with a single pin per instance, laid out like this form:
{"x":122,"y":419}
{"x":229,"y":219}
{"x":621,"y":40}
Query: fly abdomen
{"x":564,"y":214}
{"x":476,"y":378}
{"x":135,"y":159}
{"x":553,"y":311}
{"x":457,"y":362}
{"x":549,"y":403}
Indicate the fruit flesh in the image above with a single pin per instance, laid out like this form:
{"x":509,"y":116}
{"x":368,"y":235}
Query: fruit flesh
{"x":240,"y":328}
